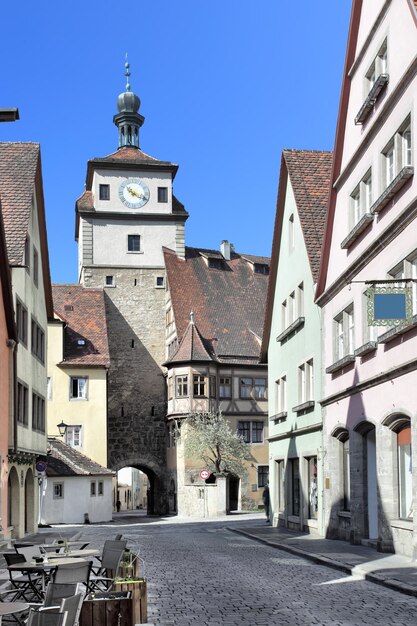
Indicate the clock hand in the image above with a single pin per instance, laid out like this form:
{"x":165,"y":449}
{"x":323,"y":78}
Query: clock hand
{"x":133,"y":192}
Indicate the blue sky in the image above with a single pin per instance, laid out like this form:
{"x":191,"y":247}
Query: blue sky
{"x":224,"y":85}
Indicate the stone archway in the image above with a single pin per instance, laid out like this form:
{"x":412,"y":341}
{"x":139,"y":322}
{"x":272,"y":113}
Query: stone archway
{"x":29,"y":502}
{"x":158,"y":490}
{"x":13,"y":509}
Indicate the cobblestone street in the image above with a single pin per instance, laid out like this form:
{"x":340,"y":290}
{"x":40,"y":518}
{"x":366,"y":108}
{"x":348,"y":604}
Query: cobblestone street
{"x":203,"y":574}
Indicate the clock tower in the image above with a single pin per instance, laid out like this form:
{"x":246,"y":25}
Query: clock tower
{"x":124,"y":218}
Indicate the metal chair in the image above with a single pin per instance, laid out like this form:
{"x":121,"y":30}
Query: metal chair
{"x":72,"y":607}
{"x":104,"y":575}
{"x":47,"y":618}
{"x":27,"y":583}
{"x":29,"y":552}
{"x":73,"y":573}
{"x":56,"y":592}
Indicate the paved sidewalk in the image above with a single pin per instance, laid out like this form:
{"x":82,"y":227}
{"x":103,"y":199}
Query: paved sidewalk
{"x":391,"y":570}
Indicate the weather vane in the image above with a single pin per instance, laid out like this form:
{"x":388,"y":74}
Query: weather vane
{"x":127,"y":74}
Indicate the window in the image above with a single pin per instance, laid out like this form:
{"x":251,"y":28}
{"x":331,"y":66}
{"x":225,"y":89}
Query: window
{"x":245,"y":387}
{"x":291,"y":238}
{"x":405,"y":484}
{"x":305,"y":382}
{"x":22,"y":322}
{"x":133,"y":243}
{"x":295,"y":486}
{"x":104,"y":191}
{"x":26,"y":260}
{"x":169,"y":320}
{"x":162,"y":194}
{"x":225,"y":387}
{"x":252,"y":432}
{"x":58,"y":490}
{"x":300,"y":300}
{"x":344,"y":334}
{"x":170,"y":388}
{"x":281,"y":484}
{"x":293,"y":307}
{"x":73,"y":436}
{"x":261,"y":268}
{"x":213,"y":387}
{"x":407,"y":269}
{"x":38,"y":413}
{"x":181,"y":385}
{"x":38,"y":341}
{"x":361,"y":199}
{"x":216,"y":264}
{"x":100,"y":488}
{"x":281,"y":394}
{"x":78,"y":388}
{"x":22,"y":404}
{"x":109,"y":281}
{"x":370,"y":333}
{"x":35,"y":266}
{"x":160,"y":281}
{"x":263,"y":475}
{"x":312,"y":487}
{"x":397,"y":154}
{"x":378,"y":67}
{"x":199,"y":386}
{"x":92,"y":489}
{"x":49,"y":388}
{"x":260,"y":389}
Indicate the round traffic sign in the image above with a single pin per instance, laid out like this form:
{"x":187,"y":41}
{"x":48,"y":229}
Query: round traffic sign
{"x":40,"y":466}
{"x":204,"y":474}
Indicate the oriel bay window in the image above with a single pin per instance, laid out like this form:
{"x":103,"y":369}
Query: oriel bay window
{"x":181,"y":386}
{"x":225,"y":387}
{"x":253,"y":388}
{"x":199,"y":386}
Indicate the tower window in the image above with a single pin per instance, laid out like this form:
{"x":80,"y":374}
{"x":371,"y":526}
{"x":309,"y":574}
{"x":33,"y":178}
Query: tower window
{"x":160,"y":282}
{"x":133,"y":243}
{"x":104,"y":192}
{"x":162,"y":194}
{"x":109,"y":281}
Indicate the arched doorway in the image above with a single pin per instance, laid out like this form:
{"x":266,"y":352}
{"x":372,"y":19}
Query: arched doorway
{"x":29,"y":502}
{"x":13,"y":508}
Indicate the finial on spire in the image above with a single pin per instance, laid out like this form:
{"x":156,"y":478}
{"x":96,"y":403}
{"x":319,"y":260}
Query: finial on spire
{"x":127,"y":73}
{"x":192,"y":317}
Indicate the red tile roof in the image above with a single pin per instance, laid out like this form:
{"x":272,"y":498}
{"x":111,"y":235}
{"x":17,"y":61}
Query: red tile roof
{"x":18,"y":166}
{"x":192,"y":347}
{"x":310,"y":173}
{"x":63,"y":460}
{"x":84,"y":312}
{"x":228,"y":303}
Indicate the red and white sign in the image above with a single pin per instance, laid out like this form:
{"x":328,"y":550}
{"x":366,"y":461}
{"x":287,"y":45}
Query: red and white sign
{"x":204,"y":474}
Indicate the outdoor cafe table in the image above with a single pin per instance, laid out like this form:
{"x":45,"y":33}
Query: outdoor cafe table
{"x":10,"y":608}
{"x":57,"y":545}
{"x":43,"y":568}
{"x":73,"y":554}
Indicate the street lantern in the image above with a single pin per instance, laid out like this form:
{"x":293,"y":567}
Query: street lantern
{"x":62,"y":428}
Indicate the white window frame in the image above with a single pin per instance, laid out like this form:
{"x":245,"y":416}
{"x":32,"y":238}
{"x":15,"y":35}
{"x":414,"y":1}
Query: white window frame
{"x":378,"y":66}
{"x":58,"y":491}
{"x":93,"y":489}
{"x":131,"y":237}
{"x":407,"y":269}
{"x":397,"y":154}
{"x":73,"y":438}
{"x":306,"y":381}
{"x":361,"y":199}
{"x":281,"y":395}
{"x":344,"y":335}
{"x":291,"y":233}
{"x":84,"y":391}
{"x":100,"y":488}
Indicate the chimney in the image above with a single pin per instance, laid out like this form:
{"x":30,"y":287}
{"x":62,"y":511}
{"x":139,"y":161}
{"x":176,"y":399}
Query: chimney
{"x":226,"y":249}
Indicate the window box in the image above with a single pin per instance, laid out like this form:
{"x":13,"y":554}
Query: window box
{"x":357,"y":230}
{"x":303,"y":407}
{"x":368,"y":347}
{"x":296,"y":324}
{"x":399,"y":181}
{"x":279,"y":417}
{"x":338,"y":365}
{"x":371,"y":98}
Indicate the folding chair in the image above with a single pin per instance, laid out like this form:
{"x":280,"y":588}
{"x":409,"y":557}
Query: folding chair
{"x":73,"y":573}
{"x":27,"y":583}
{"x":47,"y":618}
{"x":56,"y":592}
{"x":104,"y":575}
{"x":29,"y":552}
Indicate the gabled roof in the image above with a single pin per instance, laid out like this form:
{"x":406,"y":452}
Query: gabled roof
{"x":228,"y":303}
{"x":309,"y":172}
{"x":192,"y":347}
{"x":63,"y":460}
{"x":6,"y":285}
{"x":20,"y":181}
{"x":85,"y":334}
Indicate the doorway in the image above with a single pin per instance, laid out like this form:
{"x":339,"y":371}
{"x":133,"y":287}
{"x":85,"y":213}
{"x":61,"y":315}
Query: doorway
{"x":233,"y":493}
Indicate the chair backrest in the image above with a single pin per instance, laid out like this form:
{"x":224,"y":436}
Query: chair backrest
{"x":29,"y":552}
{"x":13,"y":557}
{"x":112,"y":554}
{"x":47,"y":618}
{"x":73,"y":573}
{"x":118,"y":537}
{"x":72,"y":606}
{"x":56,"y":592}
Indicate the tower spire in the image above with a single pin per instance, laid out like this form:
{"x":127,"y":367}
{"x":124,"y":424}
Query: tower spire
{"x":128,"y":119}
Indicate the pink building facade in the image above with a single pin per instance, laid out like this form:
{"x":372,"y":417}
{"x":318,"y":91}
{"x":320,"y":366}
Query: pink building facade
{"x":370,"y":373}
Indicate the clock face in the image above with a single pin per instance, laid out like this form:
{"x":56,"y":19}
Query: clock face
{"x":134,"y":193}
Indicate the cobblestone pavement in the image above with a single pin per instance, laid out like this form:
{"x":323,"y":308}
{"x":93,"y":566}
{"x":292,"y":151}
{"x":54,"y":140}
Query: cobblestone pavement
{"x":202,"y":574}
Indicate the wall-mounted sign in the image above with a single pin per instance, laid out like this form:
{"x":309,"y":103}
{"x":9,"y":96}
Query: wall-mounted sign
{"x":389,"y":305}
{"x":204,"y":474}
